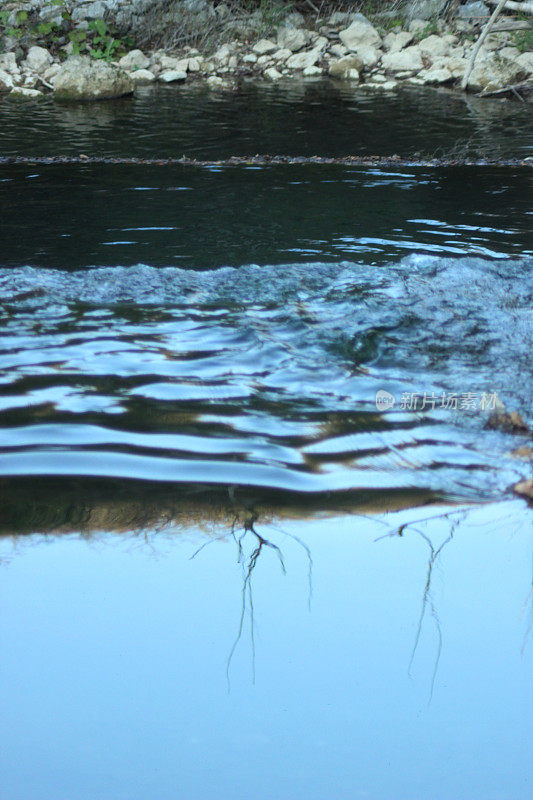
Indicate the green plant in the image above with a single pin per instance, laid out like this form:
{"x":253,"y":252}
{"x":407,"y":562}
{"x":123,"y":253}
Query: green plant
{"x":523,"y":40}
{"x":99,"y":40}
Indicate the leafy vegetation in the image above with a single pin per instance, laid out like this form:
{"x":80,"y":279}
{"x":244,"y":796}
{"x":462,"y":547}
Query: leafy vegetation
{"x":99,"y":40}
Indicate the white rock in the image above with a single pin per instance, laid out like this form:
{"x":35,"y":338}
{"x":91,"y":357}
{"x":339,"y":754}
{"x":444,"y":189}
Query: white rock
{"x":22,"y":93}
{"x":282,"y":55}
{"x":338,"y":50}
{"x":511,"y":53}
{"x":303,"y":60}
{"x":195,"y":64}
{"x":361,"y":32}
{"x":233,"y":62}
{"x":434,"y":46}
{"x":417,"y":25}
{"x":394,"y":42}
{"x":370,"y":56}
{"x":8,"y":62}
{"x":31,"y":81}
{"x":525,"y":62}
{"x":272,"y":74}
{"x":51,"y":72}
{"x":38,"y":59}
{"x":312,"y":71}
{"x":84,"y":78}
{"x":319,"y":42}
{"x":140,"y":76}
{"x":492,"y":72}
{"x":264,"y":61}
{"x":409,"y":59}
{"x":6,"y":81}
{"x":436,"y":76}
{"x":172,"y":76}
{"x":250,"y":58}
{"x":173,"y":63}
{"x":223,"y":53}
{"x":456,"y":65}
{"x":214,"y":81}
{"x":291,"y":38}
{"x":264,"y":46}
{"x":134,"y":60}
{"x":347,"y":67}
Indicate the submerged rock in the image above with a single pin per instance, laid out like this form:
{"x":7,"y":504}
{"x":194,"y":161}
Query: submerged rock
{"x":83,"y":78}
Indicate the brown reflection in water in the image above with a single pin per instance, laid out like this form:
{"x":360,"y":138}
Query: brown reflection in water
{"x":79,"y":505}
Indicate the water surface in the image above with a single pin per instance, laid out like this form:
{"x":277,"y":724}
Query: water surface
{"x":198,"y":490}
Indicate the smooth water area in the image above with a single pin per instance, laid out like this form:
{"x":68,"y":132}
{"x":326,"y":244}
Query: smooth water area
{"x":298,"y":366}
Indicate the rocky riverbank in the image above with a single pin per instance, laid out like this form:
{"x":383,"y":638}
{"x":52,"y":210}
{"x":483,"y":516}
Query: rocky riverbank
{"x":345,"y":46}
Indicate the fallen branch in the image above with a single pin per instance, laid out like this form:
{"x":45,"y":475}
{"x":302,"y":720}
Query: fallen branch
{"x":525,"y":7}
{"x":484,"y":33}
{"x":527,"y":85}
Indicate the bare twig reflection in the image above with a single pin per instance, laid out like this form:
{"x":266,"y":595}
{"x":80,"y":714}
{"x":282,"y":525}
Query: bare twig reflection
{"x":248,"y":569}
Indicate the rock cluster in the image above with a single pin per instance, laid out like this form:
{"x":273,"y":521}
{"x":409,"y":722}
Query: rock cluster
{"x":347,"y":47}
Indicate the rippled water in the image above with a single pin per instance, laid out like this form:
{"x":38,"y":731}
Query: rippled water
{"x":191,"y":357}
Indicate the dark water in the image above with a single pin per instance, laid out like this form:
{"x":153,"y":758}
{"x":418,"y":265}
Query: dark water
{"x":191,"y":357}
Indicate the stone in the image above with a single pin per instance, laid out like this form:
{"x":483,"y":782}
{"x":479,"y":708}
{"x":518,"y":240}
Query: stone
{"x":511,"y":53}
{"x":454,"y":64}
{"x":369,"y":56}
{"x":492,"y":72}
{"x":435,"y":76}
{"x":6,"y":81}
{"x":195,"y":64}
{"x":134,"y":60}
{"x":264,"y":46}
{"x":409,"y":59}
{"x":312,"y":71}
{"x":282,"y":55}
{"x":347,"y":67}
{"x":394,"y":42}
{"x":84,"y":78}
{"x":272,"y":74}
{"x":434,"y":46}
{"x":173,"y":63}
{"x":222,"y":54}
{"x":22,"y":93}
{"x":95,"y":10}
{"x":338,"y":50}
{"x":172,"y":76}
{"x":8,"y":62}
{"x":425,"y":9}
{"x":51,"y":72}
{"x":525,"y":62}
{"x":250,"y":58}
{"x":140,"y":76}
{"x":291,"y":38}
{"x":295,"y":19}
{"x":264,"y":61}
{"x":214,"y":81}
{"x":360,"y":33}
{"x":417,"y":26}
{"x":38,"y":59}
{"x":473,"y":10}
{"x":303,"y":60}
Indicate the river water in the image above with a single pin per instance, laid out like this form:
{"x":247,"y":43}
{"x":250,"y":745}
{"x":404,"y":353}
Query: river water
{"x":297,"y":366}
